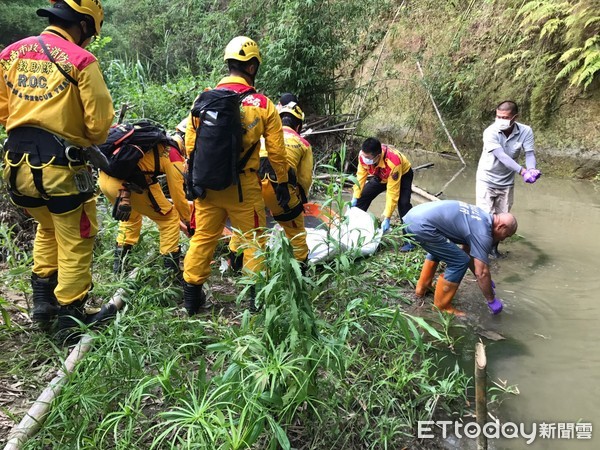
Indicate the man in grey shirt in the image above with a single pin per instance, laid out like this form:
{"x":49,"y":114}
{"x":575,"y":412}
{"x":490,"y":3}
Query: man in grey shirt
{"x":504,"y":142}
{"x":438,"y":227}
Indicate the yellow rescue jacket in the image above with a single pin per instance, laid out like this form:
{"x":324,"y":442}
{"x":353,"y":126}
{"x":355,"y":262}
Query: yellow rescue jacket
{"x":172,"y":165}
{"x":33,"y":92}
{"x":392,"y":165}
{"x":299,"y":157}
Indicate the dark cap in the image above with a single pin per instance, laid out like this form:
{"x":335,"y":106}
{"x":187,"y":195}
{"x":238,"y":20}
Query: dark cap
{"x":286,"y":98}
{"x":62,"y":11}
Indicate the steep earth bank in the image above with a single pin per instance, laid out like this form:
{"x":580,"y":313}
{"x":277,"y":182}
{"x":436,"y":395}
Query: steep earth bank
{"x":458,"y":49}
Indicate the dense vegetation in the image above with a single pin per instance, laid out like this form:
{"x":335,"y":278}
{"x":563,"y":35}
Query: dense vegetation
{"x":332,"y":362}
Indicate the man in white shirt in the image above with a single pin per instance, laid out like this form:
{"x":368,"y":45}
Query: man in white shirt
{"x":504,"y":142}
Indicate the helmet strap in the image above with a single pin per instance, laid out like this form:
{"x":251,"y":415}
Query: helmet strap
{"x":83,"y":35}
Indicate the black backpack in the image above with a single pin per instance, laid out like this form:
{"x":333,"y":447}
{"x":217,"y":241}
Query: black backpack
{"x":126,"y":145}
{"x":215,"y":162}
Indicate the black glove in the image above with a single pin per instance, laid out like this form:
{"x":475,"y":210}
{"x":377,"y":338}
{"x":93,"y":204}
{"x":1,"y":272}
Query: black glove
{"x":283,"y":195}
{"x":190,"y":230}
{"x":122,"y":207}
{"x":95,"y":156}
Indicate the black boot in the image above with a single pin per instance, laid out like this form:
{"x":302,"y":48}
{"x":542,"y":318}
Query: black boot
{"x":107,"y":311}
{"x":171,"y":263}
{"x":304,"y":267}
{"x":121,"y":252}
{"x":69,"y":317}
{"x":236,"y":262}
{"x":194,"y":299}
{"x":45,"y":306}
{"x":252,"y":299}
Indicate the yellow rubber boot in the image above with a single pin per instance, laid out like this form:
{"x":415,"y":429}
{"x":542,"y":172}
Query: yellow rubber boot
{"x":426,"y":279}
{"x":444,"y":293}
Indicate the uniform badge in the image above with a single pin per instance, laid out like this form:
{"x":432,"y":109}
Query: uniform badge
{"x":395,"y":176}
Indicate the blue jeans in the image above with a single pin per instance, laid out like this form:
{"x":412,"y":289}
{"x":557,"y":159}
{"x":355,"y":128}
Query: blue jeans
{"x":457,"y":261}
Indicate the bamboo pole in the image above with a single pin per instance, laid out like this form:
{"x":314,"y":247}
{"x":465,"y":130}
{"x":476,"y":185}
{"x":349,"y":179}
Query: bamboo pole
{"x":37,"y":414}
{"x":423,"y":193}
{"x":480,"y":393}
{"x":340,"y":124}
{"x":333,"y":130}
{"x":450,"y":181}
{"x":437,"y":111}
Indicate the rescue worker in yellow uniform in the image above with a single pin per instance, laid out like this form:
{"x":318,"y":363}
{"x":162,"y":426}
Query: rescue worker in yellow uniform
{"x":383,"y":168}
{"x":152,"y":203}
{"x":299,"y":150}
{"x":300,"y":160}
{"x":54,"y":103}
{"x":259,"y":119}
{"x":180,"y":132}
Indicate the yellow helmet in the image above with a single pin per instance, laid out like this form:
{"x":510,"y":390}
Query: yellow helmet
{"x":291,"y":108}
{"x":242,"y":48}
{"x":182,"y":126}
{"x":92,"y":8}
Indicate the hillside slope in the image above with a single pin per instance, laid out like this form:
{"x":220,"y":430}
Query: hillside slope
{"x":458,"y":47}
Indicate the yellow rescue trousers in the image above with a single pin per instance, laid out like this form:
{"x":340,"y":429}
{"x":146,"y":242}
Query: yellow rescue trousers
{"x":167,"y":219}
{"x":247,"y":216}
{"x":65,"y":243}
{"x":294,"y":228}
{"x":67,"y":223}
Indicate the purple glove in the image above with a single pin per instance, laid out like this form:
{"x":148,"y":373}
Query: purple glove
{"x":493,"y":288}
{"x":495,"y":306}
{"x":531,"y":175}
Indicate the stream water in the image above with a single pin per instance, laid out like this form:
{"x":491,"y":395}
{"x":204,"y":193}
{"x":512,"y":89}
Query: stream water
{"x":550,"y":284}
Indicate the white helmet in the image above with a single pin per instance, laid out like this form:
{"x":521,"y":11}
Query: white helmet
{"x":182,"y":126}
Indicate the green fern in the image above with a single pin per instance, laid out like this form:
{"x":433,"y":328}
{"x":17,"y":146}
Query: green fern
{"x":591,"y":42}
{"x":569,"y":29}
{"x":592,"y":21}
{"x":567,"y":70}
{"x":585,"y":75}
{"x":551,"y":27}
{"x":570,"y":54}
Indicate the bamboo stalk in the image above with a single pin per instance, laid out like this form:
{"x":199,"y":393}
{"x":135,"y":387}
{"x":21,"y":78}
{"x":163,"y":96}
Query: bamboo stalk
{"x":450,"y":181}
{"x":423,"y":166}
{"x":423,"y":193}
{"x":310,"y":132}
{"x":480,"y":393}
{"x":338,"y":125}
{"x":437,"y":111}
{"x":37,"y":414}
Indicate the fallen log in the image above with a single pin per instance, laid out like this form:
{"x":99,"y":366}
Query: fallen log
{"x":423,"y":166}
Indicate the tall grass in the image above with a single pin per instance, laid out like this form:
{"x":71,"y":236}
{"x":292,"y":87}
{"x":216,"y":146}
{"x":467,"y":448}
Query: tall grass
{"x":329,"y":362}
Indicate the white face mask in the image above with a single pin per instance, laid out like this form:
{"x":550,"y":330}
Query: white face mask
{"x":368,"y":161}
{"x":503,"y":124}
